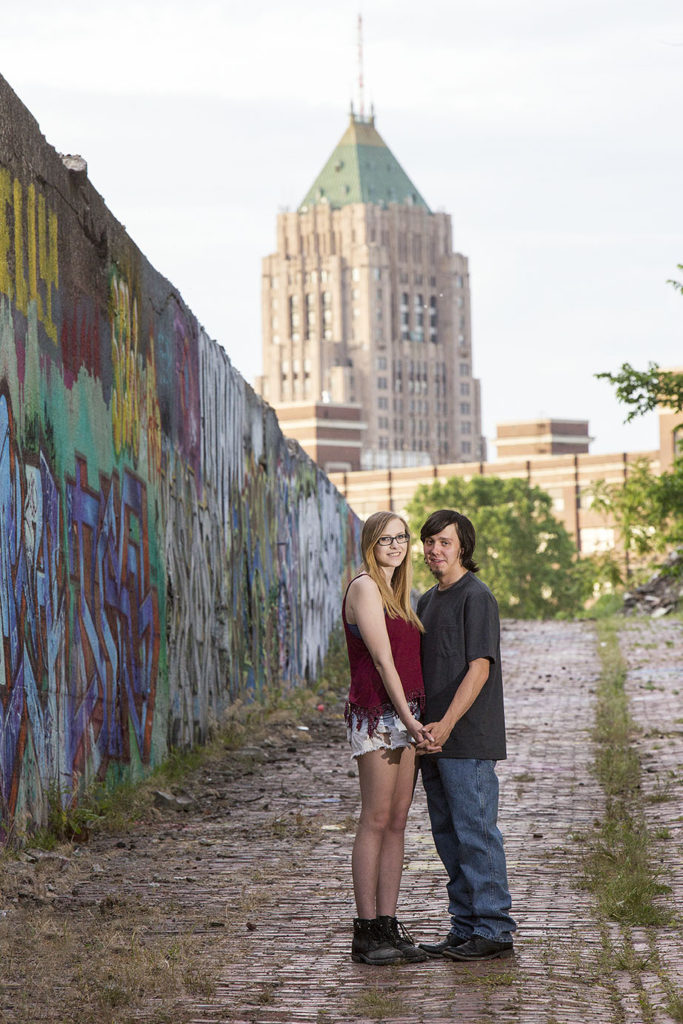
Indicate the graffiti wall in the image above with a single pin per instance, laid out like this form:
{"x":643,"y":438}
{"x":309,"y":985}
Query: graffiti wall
{"x":164,"y":551}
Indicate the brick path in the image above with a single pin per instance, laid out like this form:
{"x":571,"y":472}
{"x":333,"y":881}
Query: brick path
{"x":654,"y":684}
{"x":259,"y":870}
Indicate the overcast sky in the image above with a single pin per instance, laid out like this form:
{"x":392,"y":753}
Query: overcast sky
{"x":549,"y":129}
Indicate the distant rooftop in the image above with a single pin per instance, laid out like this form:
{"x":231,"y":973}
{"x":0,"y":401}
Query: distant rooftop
{"x":362,"y":169}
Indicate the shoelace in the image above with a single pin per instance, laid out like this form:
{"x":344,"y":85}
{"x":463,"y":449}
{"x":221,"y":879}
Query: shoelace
{"x":403,"y":933}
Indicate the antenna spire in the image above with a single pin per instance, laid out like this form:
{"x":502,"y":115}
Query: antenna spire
{"x":361,"y":99}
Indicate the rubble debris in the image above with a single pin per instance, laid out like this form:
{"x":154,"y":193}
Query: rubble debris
{"x":662,"y":592}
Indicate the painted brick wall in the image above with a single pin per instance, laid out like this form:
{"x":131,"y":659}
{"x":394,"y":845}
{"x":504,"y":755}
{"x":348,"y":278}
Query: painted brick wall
{"x":163,"y":550}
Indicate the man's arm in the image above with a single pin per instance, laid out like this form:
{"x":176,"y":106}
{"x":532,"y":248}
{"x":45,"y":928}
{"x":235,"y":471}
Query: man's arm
{"x":465,"y":696}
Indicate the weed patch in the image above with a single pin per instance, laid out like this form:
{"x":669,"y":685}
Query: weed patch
{"x":376,"y":1005}
{"x":618,"y":865}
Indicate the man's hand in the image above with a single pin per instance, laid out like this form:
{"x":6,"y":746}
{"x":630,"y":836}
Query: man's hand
{"x":439,"y":731}
{"x":426,"y":744}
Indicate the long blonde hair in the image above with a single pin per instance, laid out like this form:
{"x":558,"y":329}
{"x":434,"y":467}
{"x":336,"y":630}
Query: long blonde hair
{"x":395,"y":598}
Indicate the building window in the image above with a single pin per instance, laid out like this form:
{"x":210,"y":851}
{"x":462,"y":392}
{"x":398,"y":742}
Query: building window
{"x":466,"y":448}
{"x":464,"y":369}
{"x":382,"y":402}
{"x":464,"y":408}
{"x":293,"y":312}
{"x":418,"y":316}
{"x":466,"y":427}
{"x":382,"y":383}
{"x":355,"y":274}
{"x":433,"y":320}
{"x":381,"y":362}
{"x":464,"y":387}
{"x":383,"y":422}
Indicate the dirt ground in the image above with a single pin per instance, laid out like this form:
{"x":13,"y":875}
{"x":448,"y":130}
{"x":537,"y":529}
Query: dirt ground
{"x":234,"y":904}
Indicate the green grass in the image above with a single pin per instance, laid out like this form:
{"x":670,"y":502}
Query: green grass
{"x":376,"y":1005}
{"x":674,"y":1003}
{"x":618,"y":864}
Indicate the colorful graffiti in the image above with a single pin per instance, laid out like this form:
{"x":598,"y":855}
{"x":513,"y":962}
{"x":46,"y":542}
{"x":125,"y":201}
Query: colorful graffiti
{"x":32,"y":604}
{"x":164,"y":552}
{"x":115,"y":646}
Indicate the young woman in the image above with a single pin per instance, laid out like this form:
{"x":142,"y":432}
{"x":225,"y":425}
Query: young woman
{"x":385,"y":699}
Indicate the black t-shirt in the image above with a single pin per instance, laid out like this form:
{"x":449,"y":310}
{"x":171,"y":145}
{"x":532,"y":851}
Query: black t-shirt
{"x":461,"y":623}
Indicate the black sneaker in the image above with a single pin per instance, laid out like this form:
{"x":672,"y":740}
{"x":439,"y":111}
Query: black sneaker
{"x":479,"y":948}
{"x":437,"y":949}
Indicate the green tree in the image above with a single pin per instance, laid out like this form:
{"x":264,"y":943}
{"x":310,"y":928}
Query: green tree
{"x":525,"y":555}
{"x":647,"y":509}
{"x":644,"y":390}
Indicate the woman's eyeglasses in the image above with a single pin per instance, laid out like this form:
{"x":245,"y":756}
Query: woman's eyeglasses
{"x":400,"y":538}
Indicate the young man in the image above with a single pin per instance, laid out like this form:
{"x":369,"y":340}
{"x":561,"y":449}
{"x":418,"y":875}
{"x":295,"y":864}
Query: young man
{"x":464,"y":714}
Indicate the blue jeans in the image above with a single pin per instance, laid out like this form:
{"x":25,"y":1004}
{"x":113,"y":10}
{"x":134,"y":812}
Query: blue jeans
{"x":462,"y":799}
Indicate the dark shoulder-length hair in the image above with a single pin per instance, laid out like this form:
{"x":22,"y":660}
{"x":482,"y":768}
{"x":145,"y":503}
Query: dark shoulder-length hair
{"x":438,"y":521}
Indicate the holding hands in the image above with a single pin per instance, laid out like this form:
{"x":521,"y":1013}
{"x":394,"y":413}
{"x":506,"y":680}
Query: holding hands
{"x":434,"y":735}
{"x":424,"y":738}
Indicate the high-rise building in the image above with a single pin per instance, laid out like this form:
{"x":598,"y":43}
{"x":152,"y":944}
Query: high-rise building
{"x":367,"y":307}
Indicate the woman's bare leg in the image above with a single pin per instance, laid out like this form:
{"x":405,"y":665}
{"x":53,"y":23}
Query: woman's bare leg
{"x":387,"y":780}
{"x":377,"y":774}
{"x":391,"y":855}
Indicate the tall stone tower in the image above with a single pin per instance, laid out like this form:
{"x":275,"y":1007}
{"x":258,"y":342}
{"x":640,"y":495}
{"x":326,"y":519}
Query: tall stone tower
{"x":366,"y":319}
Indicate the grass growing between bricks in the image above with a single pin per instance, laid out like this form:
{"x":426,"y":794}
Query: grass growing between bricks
{"x":618,"y":865}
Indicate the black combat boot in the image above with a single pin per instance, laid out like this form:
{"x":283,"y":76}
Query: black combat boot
{"x":370,"y":945}
{"x":398,"y":936}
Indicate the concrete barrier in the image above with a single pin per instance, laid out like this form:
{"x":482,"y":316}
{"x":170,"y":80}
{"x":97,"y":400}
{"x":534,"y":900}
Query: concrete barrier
{"x":164,"y":551}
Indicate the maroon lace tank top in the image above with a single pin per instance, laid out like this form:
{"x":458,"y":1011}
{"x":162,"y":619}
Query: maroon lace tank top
{"x":368,"y":700}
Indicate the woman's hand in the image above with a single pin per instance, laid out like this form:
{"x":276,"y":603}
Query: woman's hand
{"x":423,"y":737}
{"x":431,"y":741}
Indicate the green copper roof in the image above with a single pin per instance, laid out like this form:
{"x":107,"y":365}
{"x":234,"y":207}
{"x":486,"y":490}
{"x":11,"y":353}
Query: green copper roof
{"x":362,"y":169}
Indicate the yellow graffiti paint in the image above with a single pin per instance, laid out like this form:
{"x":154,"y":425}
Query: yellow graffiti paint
{"x":6,"y":196}
{"x":153,"y":417}
{"x":29,"y":262}
{"x":33,"y":251}
{"x":19,"y":279}
{"x":135,"y":406}
{"x":124,"y":342}
{"x":48,"y":262}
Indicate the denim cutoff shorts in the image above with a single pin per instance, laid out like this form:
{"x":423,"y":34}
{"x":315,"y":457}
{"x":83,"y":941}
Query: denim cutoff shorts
{"x":390,"y":734}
